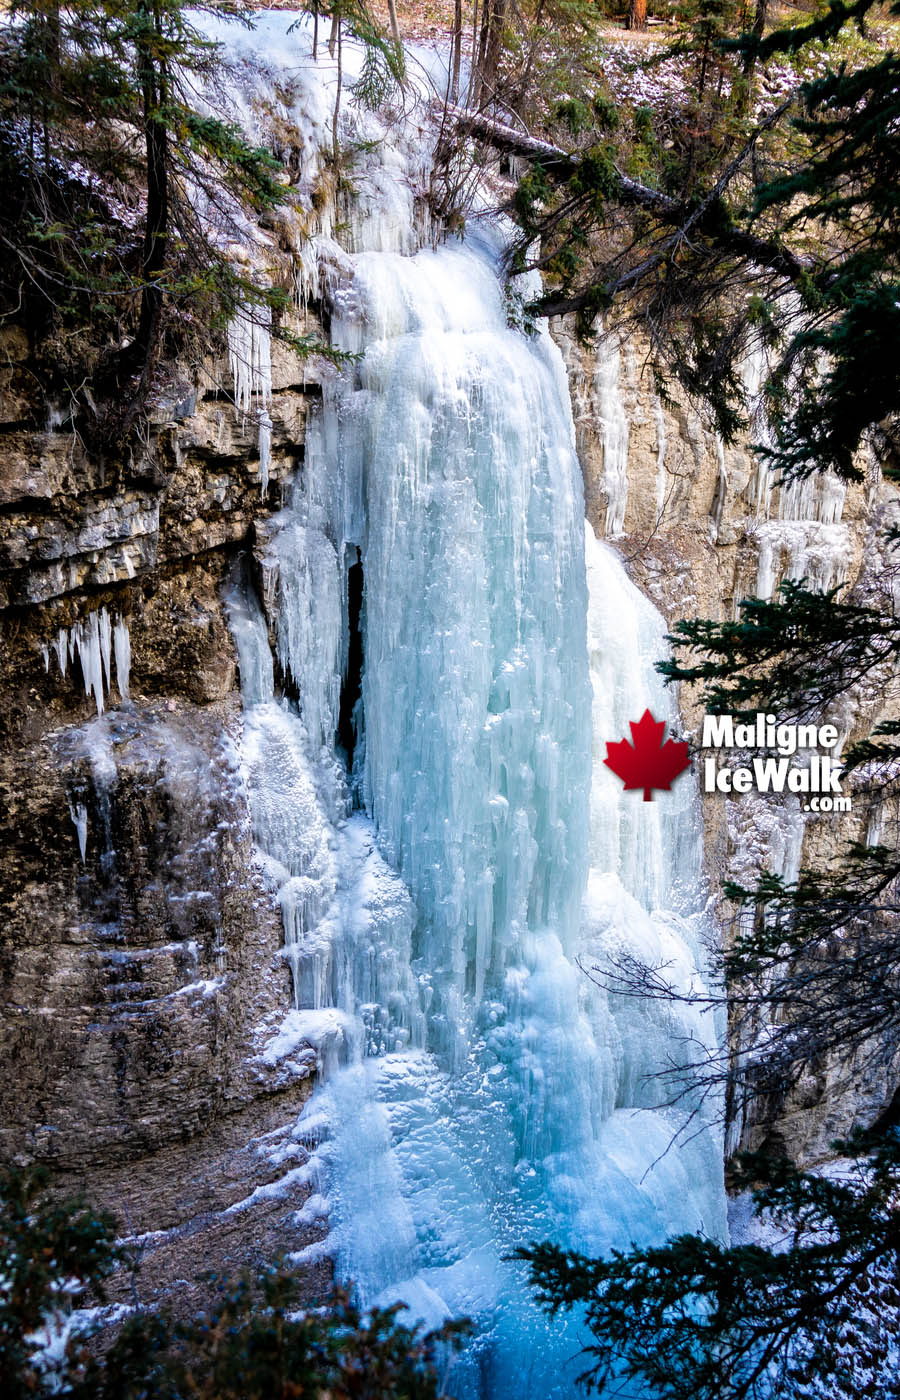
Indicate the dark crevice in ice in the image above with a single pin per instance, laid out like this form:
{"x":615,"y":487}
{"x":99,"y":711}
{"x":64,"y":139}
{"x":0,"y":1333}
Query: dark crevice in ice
{"x":351,"y":688}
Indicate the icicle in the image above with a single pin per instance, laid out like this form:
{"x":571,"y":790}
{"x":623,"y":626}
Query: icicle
{"x":250,"y":353}
{"x":310,"y":624}
{"x":61,"y":647}
{"x":661,"y":482}
{"x":78,"y":813}
{"x":86,"y":637}
{"x":265,"y":450}
{"x":248,"y":628}
{"x":105,"y":630}
{"x":614,"y":434}
{"x":250,"y":349}
{"x":819,"y":497}
{"x":94,"y":639}
{"x":122,"y":644}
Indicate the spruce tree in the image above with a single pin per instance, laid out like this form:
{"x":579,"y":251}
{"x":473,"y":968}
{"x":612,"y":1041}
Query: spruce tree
{"x":124,"y":187}
{"x":693,"y":1319}
{"x":256,"y":1341}
{"x":735,"y":221}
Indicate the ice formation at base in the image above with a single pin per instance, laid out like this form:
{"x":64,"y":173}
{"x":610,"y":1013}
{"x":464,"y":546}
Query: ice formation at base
{"x":443,"y":870}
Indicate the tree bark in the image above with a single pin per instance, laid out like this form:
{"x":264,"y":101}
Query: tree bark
{"x":395,"y":28}
{"x":637,"y":15}
{"x":397,"y":42}
{"x":495,"y":43}
{"x":493,"y":18}
{"x":457,"y":50}
{"x":154,"y":94}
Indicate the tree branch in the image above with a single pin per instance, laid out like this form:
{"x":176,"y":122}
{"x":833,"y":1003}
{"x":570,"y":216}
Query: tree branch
{"x":727,"y":240}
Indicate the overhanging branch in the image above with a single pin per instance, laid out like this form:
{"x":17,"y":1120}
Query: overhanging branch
{"x":727,"y":240}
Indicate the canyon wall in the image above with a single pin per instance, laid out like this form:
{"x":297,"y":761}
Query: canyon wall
{"x":142,"y":980}
{"x":142,"y":977}
{"x":702,"y":525}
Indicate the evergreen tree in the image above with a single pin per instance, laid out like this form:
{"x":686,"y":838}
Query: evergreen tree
{"x":696,"y":1320}
{"x":124,"y":189}
{"x":103,"y":151}
{"x":255,"y":1343}
{"x":49,"y":1253}
{"x":731,"y":221}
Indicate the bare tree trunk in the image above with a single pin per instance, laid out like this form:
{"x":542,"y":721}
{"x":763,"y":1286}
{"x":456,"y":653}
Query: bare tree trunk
{"x":744,"y":88}
{"x":637,"y":15}
{"x":532,"y":51}
{"x":154,"y":93}
{"x":494,"y":44}
{"x":51,"y":51}
{"x":335,"y":30}
{"x":759,"y":19}
{"x":490,"y":43}
{"x":759,"y":25}
{"x":395,"y":28}
{"x":457,"y":50}
{"x":337,"y":100}
{"x":398,"y":42}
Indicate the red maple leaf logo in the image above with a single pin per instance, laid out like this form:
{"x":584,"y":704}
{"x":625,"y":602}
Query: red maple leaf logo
{"x":650,"y":763}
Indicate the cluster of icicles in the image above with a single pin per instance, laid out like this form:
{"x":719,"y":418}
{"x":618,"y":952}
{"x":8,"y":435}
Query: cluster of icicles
{"x":96,"y":640}
{"x":250,"y":357}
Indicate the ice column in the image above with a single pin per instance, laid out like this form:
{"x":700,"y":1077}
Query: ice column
{"x":614,"y":433}
{"x":475,"y":688}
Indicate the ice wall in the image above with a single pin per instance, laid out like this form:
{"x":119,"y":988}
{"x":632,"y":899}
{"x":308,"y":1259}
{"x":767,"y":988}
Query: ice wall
{"x":475,"y":685}
{"x":484,"y":1091}
{"x":477,"y":1089}
{"x":802,"y":535}
{"x":614,"y":432}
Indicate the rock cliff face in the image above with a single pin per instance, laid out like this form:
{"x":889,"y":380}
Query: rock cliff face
{"x":702,"y":526}
{"x":141,"y":970}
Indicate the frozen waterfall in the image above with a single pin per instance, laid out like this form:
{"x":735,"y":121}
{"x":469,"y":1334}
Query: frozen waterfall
{"x":479,"y":1091}
{"x":435,"y":820}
